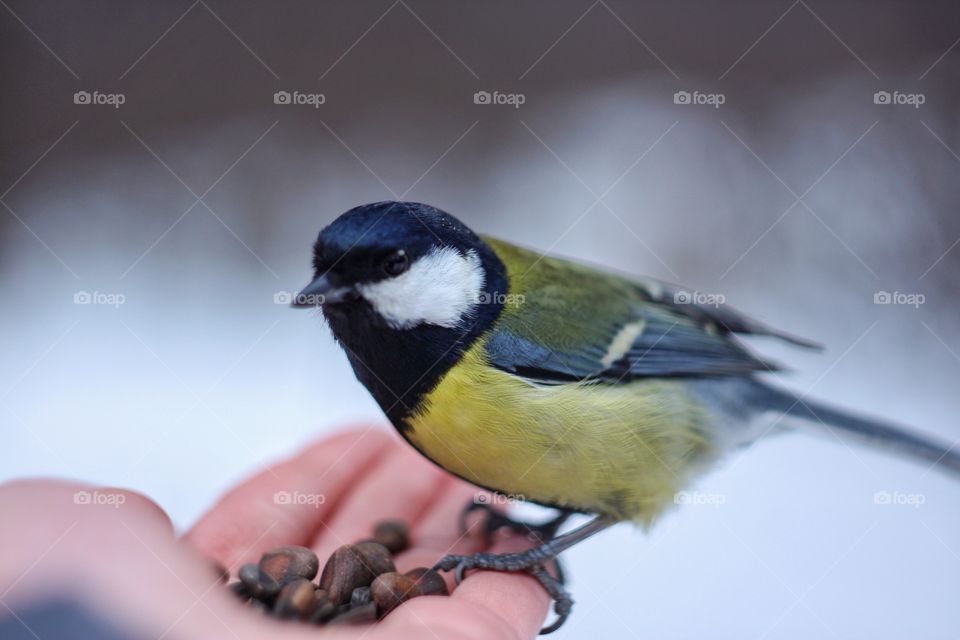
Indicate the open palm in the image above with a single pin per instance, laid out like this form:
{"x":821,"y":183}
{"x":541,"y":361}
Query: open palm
{"x":124,"y":562}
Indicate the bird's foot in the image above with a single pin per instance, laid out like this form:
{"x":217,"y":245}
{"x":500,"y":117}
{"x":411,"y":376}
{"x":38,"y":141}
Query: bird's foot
{"x":530,"y":562}
{"x":562,"y":600}
{"x":495,"y":520}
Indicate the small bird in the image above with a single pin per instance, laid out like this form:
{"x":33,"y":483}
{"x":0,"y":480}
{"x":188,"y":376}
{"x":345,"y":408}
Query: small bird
{"x":533,"y":376}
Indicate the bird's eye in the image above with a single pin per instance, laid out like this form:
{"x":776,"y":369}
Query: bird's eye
{"x":396,"y":264}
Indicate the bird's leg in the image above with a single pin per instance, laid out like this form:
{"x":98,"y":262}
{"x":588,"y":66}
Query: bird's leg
{"x":531,"y":561}
{"x":494,"y":520}
{"x":525,"y":559}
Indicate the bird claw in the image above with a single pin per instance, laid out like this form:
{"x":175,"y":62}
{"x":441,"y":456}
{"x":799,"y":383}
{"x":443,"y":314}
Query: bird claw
{"x":533,"y":561}
{"x":514,"y":562}
{"x":562,"y":600}
{"x":494,"y":520}
{"x":461,"y":564}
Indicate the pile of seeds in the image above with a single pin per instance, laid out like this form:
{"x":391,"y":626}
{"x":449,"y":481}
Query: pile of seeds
{"x":359,"y":583}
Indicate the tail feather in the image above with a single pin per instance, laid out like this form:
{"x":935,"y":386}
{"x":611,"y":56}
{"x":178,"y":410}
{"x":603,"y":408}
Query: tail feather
{"x":886,"y":435}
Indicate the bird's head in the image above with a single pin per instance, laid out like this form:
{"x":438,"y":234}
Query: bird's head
{"x":401,"y":265}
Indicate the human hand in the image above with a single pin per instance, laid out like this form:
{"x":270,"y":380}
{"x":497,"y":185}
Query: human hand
{"x":123,"y":562}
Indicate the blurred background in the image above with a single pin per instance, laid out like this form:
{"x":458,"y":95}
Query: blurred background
{"x":166,"y":166}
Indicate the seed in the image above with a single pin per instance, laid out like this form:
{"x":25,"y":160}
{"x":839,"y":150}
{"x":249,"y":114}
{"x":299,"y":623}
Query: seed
{"x":429,"y":582}
{"x":393,"y":534}
{"x":324,"y":608}
{"x":364,"y":614}
{"x":259,"y":585}
{"x":359,"y":582}
{"x":296,"y":600}
{"x":360,"y":595}
{"x":289,"y":563}
{"x":240,"y":590}
{"x":353,"y":566}
{"x":376,"y":557}
{"x":390,"y":590}
{"x":343,"y":573}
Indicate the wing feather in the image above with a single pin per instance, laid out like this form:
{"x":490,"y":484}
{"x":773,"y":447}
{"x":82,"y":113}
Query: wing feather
{"x":566,"y":322}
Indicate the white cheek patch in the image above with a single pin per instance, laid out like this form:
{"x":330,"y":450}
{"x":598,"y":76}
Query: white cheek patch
{"x":440,"y":288}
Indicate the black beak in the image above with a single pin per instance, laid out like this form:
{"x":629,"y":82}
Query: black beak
{"x":319,"y":292}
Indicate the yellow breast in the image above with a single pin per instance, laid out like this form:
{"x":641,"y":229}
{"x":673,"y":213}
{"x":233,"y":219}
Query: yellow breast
{"x":621,"y":450}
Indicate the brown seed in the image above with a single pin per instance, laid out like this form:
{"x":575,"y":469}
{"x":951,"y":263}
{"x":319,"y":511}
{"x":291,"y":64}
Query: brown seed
{"x":393,"y":534}
{"x":429,"y":582}
{"x":390,"y":590}
{"x":296,"y":600}
{"x":259,"y":585}
{"x":376,"y":557}
{"x":240,"y":590}
{"x":343,"y":573}
{"x":364,"y":614}
{"x":324,"y":608}
{"x":353,"y":566}
{"x":286,"y":564}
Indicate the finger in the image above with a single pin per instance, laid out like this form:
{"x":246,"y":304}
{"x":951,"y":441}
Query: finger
{"x":49,"y":513}
{"x":487,"y":604}
{"x":464,"y":616}
{"x":438,"y":531}
{"x":287,"y":503}
{"x":401,"y":486}
{"x":110,"y":555}
{"x":517,"y":598}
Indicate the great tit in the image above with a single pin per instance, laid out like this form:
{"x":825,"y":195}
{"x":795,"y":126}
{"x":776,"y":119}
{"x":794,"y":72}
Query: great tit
{"x":539,"y":377}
